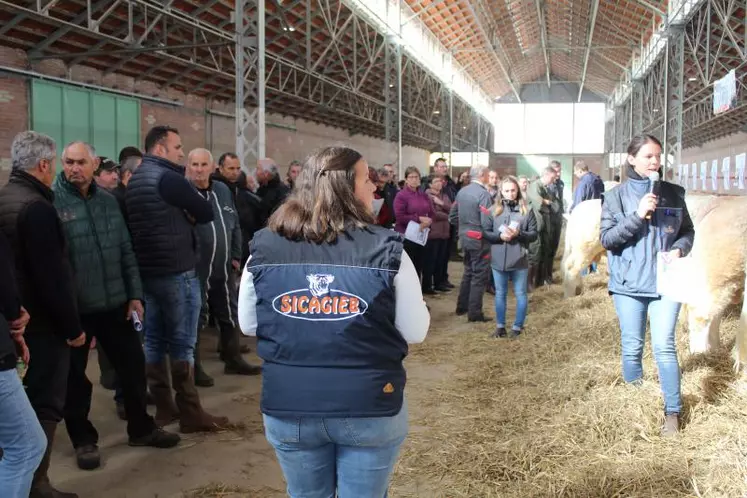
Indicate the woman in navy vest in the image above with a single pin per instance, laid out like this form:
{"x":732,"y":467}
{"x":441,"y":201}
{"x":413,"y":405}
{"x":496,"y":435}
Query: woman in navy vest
{"x":334,"y":301}
{"x":514,"y":228}
{"x":641,"y":222}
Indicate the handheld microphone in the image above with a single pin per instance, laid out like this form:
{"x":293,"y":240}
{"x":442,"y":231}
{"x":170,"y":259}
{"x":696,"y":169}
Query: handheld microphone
{"x":653,"y":187}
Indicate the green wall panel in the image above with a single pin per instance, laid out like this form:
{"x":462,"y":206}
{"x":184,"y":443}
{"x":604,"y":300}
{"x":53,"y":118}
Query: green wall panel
{"x":104,"y":125}
{"x":46,"y":111}
{"x":76,"y":115}
{"x":128,"y":123}
{"x":68,"y":113}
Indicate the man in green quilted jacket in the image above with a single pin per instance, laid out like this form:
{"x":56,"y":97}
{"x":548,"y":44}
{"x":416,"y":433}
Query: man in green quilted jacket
{"x":109,"y":293}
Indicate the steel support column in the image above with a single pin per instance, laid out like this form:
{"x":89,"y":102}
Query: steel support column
{"x":675,"y":96}
{"x":250,"y":91}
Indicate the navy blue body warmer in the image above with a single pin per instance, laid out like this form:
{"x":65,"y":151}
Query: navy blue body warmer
{"x":326,"y":333}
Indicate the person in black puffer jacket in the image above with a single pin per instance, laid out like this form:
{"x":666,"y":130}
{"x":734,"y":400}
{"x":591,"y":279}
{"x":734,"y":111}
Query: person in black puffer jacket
{"x":514,"y":228}
{"x":22,"y":437}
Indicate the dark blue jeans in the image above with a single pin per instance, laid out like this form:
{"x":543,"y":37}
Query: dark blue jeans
{"x":172,"y":310}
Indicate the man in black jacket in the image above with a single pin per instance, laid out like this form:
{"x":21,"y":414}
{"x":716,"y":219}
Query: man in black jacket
{"x":247,"y":203}
{"x":30,"y":222}
{"x":163,"y":208}
{"x":21,"y":436}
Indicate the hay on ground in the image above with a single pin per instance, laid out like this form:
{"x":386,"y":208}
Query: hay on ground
{"x":548,"y":414}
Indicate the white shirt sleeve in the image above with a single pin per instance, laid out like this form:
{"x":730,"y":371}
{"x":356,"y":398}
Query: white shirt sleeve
{"x":247,"y":303}
{"x":411,"y":317}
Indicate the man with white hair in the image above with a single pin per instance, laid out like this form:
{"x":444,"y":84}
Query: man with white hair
{"x":271,"y":188}
{"x":163,"y":208}
{"x":219,"y":258}
{"x":45,"y":280}
{"x":471,"y":213}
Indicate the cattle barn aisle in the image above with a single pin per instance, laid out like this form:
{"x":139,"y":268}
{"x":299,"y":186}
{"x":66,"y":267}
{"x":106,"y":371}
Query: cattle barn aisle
{"x":545,"y":415}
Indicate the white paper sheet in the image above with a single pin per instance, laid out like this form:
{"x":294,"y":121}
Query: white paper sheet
{"x":413,"y":233}
{"x":695,"y":175}
{"x":739,"y":164}
{"x":377,"y":203}
{"x":703,"y":175}
{"x":677,"y":279}
{"x":726,"y":170}
{"x":714,"y":175}
{"x":686,"y":176}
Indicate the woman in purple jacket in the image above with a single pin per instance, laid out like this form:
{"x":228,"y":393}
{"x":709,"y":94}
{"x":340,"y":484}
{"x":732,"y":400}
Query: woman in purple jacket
{"x":413,"y":205}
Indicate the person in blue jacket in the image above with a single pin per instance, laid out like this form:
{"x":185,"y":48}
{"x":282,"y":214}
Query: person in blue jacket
{"x":641,"y":221}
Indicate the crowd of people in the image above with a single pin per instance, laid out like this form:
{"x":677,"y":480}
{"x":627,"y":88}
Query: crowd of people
{"x":142,"y":255}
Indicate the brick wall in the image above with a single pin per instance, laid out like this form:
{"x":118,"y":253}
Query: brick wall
{"x":293,"y":140}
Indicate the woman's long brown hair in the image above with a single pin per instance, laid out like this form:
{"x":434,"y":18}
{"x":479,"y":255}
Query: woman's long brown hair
{"x":323,"y":203}
{"x":498,"y":206}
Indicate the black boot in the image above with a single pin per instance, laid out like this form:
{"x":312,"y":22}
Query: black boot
{"x":235,"y":364}
{"x":202,"y":379}
{"x":41,"y":487}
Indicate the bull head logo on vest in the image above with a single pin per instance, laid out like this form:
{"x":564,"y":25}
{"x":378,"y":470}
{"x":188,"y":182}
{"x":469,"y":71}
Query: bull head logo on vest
{"x":318,"y":302}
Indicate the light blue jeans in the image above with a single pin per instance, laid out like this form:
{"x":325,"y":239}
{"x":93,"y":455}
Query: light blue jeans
{"x":352,"y":457}
{"x":21,"y":438}
{"x":632,"y":311}
{"x":172,"y":310}
{"x":519,"y":278}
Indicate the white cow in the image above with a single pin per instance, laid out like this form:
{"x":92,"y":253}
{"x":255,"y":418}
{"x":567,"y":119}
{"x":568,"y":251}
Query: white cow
{"x":582,"y":244}
{"x":720,"y":255}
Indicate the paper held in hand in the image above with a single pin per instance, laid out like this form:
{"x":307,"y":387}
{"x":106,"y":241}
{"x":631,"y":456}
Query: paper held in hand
{"x":377,"y":203}
{"x":513,"y":226}
{"x":677,"y":279}
{"x":413,"y":233}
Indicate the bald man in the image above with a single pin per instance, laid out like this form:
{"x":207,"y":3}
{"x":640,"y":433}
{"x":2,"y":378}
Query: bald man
{"x":219,"y":259}
{"x":109,"y":294}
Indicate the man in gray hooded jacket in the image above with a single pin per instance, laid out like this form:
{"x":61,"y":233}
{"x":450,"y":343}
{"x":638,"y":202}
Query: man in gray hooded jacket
{"x":471,"y":214}
{"x":220,"y":255}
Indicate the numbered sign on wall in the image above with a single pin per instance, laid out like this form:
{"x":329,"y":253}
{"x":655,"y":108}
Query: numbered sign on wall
{"x":714,"y":175}
{"x":739,"y":164}
{"x":726,"y":170}
{"x":704,"y":175}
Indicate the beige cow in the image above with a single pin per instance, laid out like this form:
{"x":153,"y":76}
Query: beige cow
{"x":582,"y":244}
{"x":720,"y":254}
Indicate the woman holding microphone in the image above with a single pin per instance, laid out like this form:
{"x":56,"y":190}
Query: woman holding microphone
{"x":644,"y":220}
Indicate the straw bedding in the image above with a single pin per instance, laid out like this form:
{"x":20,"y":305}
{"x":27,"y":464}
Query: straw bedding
{"x":548,"y":414}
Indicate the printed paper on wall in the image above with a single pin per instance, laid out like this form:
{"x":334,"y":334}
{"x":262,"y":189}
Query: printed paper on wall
{"x":695,"y":175}
{"x":739,"y":165}
{"x":726,"y":170}
{"x":704,"y":175}
{"x":714,"y":175}
{"x":685,"y":175}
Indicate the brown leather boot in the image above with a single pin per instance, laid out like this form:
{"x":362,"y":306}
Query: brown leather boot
{"x":40,"y":486}
{"x":160,"y":387}
{"x":192,"y":417}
